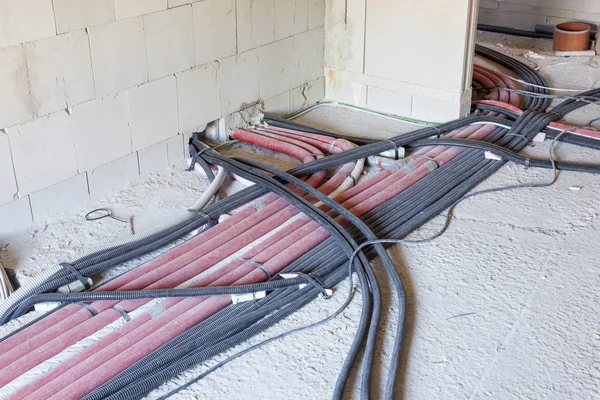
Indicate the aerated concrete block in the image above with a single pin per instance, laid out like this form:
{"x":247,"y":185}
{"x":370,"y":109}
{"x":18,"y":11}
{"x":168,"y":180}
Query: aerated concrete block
{"x":307,"y":95}
{"x":291,"y":18}
{"x":43,"y":152}
{"x":78,"y":14}
{"x":25,"y":20}
{"x":118,"y":55}
{"x":278,"y":106}
{"x":491,"y":4}
{"x":15,"y":216}
{"x":60,"y":72}
{"x":63,"y":196}
{"x":176,"y":3}
{"x":510,"y":19}
{"x":277,"y":67}
{"x":255,"y":23}
{"x":16,"y":105}
{"x":101,"y":131}
{"x":153,"y":159}
{"x":153,"y":112}
{"x":434,"y":110}
{"x":133,"y":8}
{"x":214,"y":30}
{"x":309,"y":52}
{"x":113,"y":175}
{"x":529,"y":9}
{"x":8,"y":184}
{"x":347,"y":92}
{"x":590,"y":6}
{"x":316,"y":13}
{"x":175,"y":150}
{"x":198,"y":97}
{"x":239,"y":81}
{"x":169,"y":41}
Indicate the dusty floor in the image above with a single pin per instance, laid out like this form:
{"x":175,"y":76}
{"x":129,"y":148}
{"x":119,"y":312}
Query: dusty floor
{"x":503,"y":306}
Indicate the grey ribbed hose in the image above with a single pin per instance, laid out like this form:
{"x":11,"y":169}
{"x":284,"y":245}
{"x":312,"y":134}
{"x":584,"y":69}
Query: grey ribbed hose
{"x":158,"y":293}
{"x":491,"y":166}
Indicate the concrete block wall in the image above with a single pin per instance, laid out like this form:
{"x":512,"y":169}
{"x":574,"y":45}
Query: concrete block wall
{"x":386,"y":55}
{"x":525,"y":14}
{"x":96,"y":93}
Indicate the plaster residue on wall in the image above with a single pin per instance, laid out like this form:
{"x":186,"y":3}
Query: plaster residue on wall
{"x":345,"y":33}
{"x":345,"y":91}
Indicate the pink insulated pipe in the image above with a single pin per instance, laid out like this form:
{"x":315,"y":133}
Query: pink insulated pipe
{"x":83,"y":315}
{"x":515,"y":98}
{"x":258,"y":273}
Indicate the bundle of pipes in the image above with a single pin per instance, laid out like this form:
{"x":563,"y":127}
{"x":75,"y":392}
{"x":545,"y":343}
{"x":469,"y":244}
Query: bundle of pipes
{"x":280,"y":249}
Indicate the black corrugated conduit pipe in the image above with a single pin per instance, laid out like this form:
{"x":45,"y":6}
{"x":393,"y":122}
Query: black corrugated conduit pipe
{"x":108,"y":258}
{"x":532,"y":132}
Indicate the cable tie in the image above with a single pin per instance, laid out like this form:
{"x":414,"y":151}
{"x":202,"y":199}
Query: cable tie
{"x":431,"y":165}
{"x":326,"y":293}
{"x":527,"y":162}
{"x":492,"y":156}
{"x":123,"y":313}
{"x":257,"y":265}
{"x":210,"y":220}
{"x":91,"y":309}
{"x":76,"y":274}
{"x":394,"y":168}
{"x":241,"y":298}
{"x":525,"y":138}
{"x":259,"y":205}
{"x":196,"y":156}
{"x":349,"y":175}
{"x":331,"y":146}
{"x":408,"y":168}
{"x":432,"y":160}
{"x":555,"y":114}
{"x":396,"y":154}
{"x":540,"y":137}
{"x":439,"y":131}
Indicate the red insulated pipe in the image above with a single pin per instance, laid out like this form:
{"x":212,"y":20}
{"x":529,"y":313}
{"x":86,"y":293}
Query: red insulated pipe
{"x":290,"y":244}
{"x":77,"y":359}
{"x":502,"y":95}
{"x":205,"y":280}
{"x":332,"y":183}
{"x":50,"y":348}
{"x":139,"y":282}
{"x":65,"y":315}
{"x":296,"y":245}
{"x":406,"y":182}
{"x":168,"y":275}
{"x":486,"y":83}
{"x":294,"y":241}
{"x":557,"y":125}
{"x":114,"y":284}
{"x":195,"y":247}
{"x":515,"y":98}
{"x":323,"y":146}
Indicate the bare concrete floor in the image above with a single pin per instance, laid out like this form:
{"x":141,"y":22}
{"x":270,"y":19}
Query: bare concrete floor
{"x":503,"y":306}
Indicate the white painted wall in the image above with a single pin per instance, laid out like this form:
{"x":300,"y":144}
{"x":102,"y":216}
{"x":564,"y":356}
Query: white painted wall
{"x":525,"y":14}
{"x":405,"y":57}
{"x":136,"y":76}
